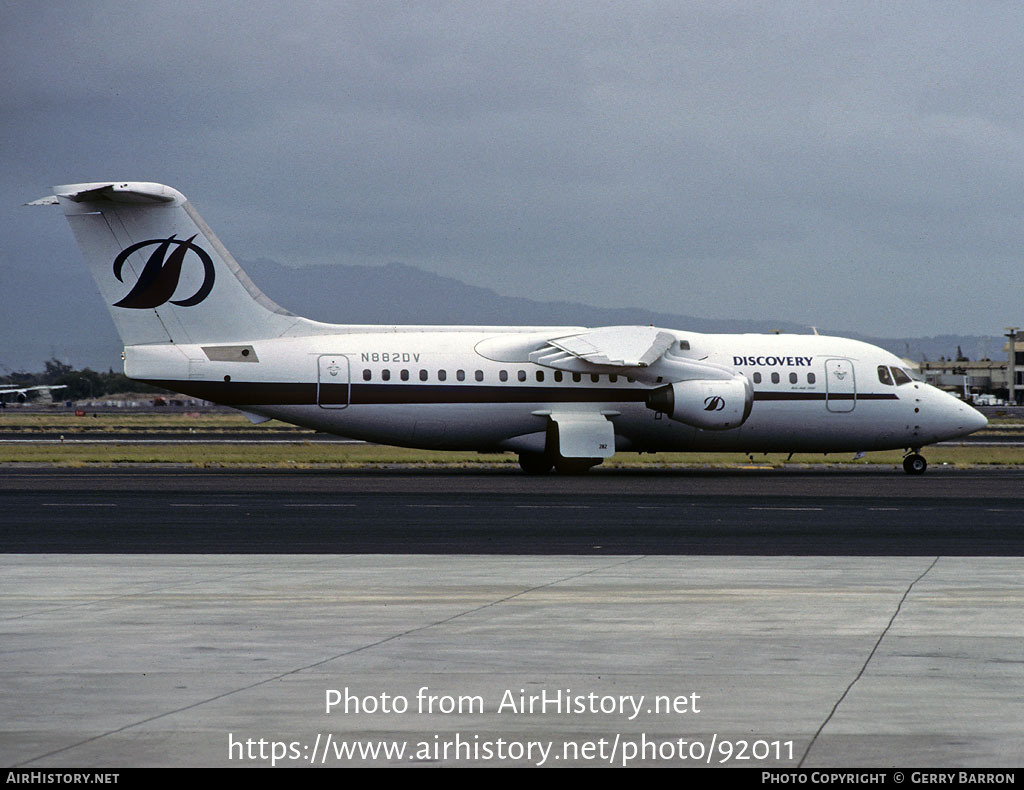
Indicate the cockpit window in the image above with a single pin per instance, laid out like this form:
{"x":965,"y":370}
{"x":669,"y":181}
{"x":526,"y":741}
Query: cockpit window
{"x":900,"y":376}
{"x":883,"y":375}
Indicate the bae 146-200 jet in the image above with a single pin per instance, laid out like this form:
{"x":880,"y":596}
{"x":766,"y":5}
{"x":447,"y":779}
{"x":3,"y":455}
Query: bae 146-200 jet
{"x":561,"y":397}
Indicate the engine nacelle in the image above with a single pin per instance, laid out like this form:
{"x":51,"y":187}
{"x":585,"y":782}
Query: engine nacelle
{"x":711,"y":404}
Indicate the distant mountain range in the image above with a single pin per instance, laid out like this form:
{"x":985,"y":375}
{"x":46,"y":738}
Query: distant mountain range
{"x":80,"y":332}
{"x":402,"y":294}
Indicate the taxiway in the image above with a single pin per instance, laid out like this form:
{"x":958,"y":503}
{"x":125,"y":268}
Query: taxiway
{"x":853,"y":618}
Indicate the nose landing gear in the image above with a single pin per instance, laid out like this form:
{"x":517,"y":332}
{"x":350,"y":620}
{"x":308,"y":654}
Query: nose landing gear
{"x":914,"y":463}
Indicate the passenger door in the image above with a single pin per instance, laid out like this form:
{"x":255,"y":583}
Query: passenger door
{"x":840,"y":385}
{"x":333,"y":383}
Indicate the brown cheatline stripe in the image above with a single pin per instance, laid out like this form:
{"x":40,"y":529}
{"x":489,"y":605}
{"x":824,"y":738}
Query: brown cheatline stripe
{"x":242,"y":393}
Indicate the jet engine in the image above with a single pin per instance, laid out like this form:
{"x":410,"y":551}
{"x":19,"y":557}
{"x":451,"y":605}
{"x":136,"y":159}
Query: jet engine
{"x":711,"y":404}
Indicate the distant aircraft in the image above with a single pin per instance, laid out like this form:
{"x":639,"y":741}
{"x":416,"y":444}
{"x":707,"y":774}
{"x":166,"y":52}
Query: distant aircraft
{"x":565,"y":397}
{"x":21,"y":393}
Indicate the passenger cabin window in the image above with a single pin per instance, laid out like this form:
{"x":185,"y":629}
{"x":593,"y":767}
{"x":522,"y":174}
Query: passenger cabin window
{"x":479,"y":375}
{"x":775,"y":378}
{"x":442,"y":375}
{"x":385,"y":375}
{"x":792,"y":378}
{"x":757,"y":378}
{"x":577,"y":377}
{"x":503,"y":375}
{"x":367,"y":375}
{"x":558,"y":375}
{"x":460,"y":375}
{"x":521,"y":375}
{"x":595,"y":377}
{"x":810,"y":378}
{"x":901,"y":376}
{"x":404,"y":375}
{"x":613,"y":378}
{"x":883,"y":375}
{"x":540,"y":375}
{"x":423,"y":375}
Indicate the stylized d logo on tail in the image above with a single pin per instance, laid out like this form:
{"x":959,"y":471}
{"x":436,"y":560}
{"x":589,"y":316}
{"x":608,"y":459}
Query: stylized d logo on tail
{"x":160,"y":276}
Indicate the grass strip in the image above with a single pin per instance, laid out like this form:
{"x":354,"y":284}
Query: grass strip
{"x":313,"y":454}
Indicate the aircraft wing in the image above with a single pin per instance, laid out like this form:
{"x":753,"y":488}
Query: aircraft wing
{"x":608,"y":346}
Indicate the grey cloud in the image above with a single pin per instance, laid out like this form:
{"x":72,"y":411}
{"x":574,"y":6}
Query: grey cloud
{"x":793,"y":160}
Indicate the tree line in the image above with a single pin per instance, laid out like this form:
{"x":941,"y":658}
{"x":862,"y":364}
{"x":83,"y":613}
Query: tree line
{"x":80,"y":384}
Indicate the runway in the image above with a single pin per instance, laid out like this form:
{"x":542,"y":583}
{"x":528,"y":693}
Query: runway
{"x":817,"y":618}
{"x":854,"y":512}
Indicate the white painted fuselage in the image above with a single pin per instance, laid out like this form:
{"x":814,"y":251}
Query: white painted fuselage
{"x":434,"y":389}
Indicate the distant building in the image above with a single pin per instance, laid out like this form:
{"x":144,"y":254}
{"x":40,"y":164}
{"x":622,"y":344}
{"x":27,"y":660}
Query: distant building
{"x":971,"y":378}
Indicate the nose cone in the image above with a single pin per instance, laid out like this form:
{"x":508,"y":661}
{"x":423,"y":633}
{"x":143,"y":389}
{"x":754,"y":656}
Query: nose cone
{"x":959,"y":418}
{"x":975,"y":419}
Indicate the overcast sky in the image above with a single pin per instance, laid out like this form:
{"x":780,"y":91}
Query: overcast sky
{"x":852,"y":165}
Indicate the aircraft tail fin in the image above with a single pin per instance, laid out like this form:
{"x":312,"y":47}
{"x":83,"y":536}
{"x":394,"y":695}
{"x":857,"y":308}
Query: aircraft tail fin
{"x":165,"y":276}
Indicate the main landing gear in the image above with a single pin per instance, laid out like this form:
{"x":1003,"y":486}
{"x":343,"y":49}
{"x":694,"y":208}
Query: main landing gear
{"x":914,"y":463}
{"x":542,"y":463}
{"x":535,"y":463}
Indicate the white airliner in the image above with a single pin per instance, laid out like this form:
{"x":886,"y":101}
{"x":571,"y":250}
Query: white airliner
{"x":22,"y":392}
{"x":565,"y":397}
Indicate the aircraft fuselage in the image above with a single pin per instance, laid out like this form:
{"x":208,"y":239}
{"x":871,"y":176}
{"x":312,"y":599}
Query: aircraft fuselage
{"x":435,"y":389}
